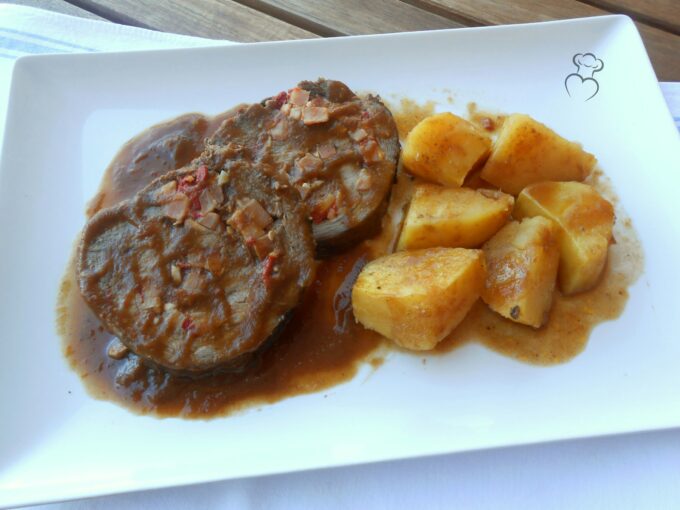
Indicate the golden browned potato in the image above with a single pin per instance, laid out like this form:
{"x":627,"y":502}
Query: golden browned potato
{"x":443,"y":148}
{"x":453,"y":217}
{"x":416,"y":298}
{"x":585,"y":222}
{"x":527,"y":151}
{"x":521,"y":261}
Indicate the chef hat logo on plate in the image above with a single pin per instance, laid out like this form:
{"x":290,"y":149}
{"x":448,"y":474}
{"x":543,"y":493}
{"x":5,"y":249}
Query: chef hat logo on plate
{"x":581,"y":85}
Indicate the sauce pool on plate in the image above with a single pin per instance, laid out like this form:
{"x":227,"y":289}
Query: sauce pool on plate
{"x":320,"y":347}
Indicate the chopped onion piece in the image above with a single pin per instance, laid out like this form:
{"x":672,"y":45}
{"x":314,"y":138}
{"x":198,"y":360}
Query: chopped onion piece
{"x":363,"y":182}
{"x":177,"y":208}
{"x":210,"y":220}
{"x":280,"y":130}
{"x":176,"y":274}
{"x":326,"y":150}
{"x":296,"y":113}
{"x":358,"y":134}
{"x":314,"y":115}
{"x":298,"y":96}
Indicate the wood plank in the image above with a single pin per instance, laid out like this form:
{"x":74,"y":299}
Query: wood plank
{"x":353,"y":17}
{"x":214,"y":19}
{"x":661,"y":13}
{"x":56,"y":6}
{"x":663,"y":47}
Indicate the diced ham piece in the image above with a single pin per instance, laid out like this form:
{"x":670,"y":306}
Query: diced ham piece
{"x":280,"y":130}
{"x":309,"y":164}
{"x":358,"y":134}
{"x":305,"y":190}
{"x":326,"y":150}
{"x":211,"y":198}
{"x":193,"y":282}
{"x":251,"y":211}
{"x":251,"y":220}
{"x":151,"y":299}
{"x":322,"y":207}
{"x":195,"y":225}
{"x":117,"y":350}
{"x":262,"y":246}
{"x":176,"y":274}
{"x":314,"y":115}
{"x":332,"y":212}
{"x":177,"y":208}
{"x":238,"y":303}
{"x":210,"y":220}
{"x":343,"y":109}
{"x":363,"y":182}
{"x":296,"y":113}
{"x":167,"y":191}
{"x":317,"y":101}
{"x":223,"y":178}
{"x":371,"y":151}
{"x":298,"y":96}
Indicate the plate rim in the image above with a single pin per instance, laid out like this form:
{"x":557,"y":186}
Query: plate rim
{"x":31,"y":59}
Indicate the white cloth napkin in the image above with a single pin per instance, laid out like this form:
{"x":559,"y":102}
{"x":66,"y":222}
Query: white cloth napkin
{"x":624,"y":472}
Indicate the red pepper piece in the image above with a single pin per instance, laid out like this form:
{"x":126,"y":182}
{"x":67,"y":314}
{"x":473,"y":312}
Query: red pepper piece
{"x":268,"y":268}
{"x":201,"y":174}
{"x":280,"y":99}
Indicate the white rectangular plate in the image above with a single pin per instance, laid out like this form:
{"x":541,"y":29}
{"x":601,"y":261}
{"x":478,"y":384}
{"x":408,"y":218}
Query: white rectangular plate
{"x":68,"y":116}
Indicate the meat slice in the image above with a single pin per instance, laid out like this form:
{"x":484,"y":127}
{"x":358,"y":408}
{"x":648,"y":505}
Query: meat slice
{"x":183,"y":288}
{"x":338,"y":149}
{"x":155,"y":151}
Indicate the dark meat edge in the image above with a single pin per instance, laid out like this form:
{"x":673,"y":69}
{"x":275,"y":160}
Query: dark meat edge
{"x":333,"y":237}
{"x":237,"y":365}
{"x":350,"y":237}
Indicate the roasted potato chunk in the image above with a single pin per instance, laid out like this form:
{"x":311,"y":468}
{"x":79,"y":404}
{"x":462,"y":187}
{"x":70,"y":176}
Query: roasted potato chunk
{"x":443,"y":148}
{"x":522,"y":260}
{"x":417,"y":298}
{"x":585,"y":222}
{"x":527,"y":151}
{"x":453,"y":217}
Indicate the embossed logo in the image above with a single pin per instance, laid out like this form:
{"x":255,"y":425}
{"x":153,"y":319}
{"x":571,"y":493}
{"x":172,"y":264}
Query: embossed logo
{"x":581,"y":85}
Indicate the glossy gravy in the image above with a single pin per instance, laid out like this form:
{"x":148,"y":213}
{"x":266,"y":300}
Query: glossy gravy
{"x":322,"y":345}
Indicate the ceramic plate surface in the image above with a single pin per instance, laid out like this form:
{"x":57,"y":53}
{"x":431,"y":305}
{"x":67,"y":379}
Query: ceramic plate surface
{"x":69,"y":114}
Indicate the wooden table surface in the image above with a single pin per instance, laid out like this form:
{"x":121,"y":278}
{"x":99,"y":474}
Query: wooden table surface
{"x":268,"y":20}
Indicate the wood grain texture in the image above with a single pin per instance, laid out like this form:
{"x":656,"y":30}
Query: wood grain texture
{"x":55,"y":6}
{"x":663,"y":47}
{"x":214,"y":19}
{"x":353,"y":17}
{"x":661,"y":13}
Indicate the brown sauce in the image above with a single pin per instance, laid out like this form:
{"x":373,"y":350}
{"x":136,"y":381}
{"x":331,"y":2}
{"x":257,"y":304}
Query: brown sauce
{"x":488,"y":121}
{"x":322,"y":345}
{"x":164,"y":147}
{"x":407,"y":113}
{"x":571,"y":318}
